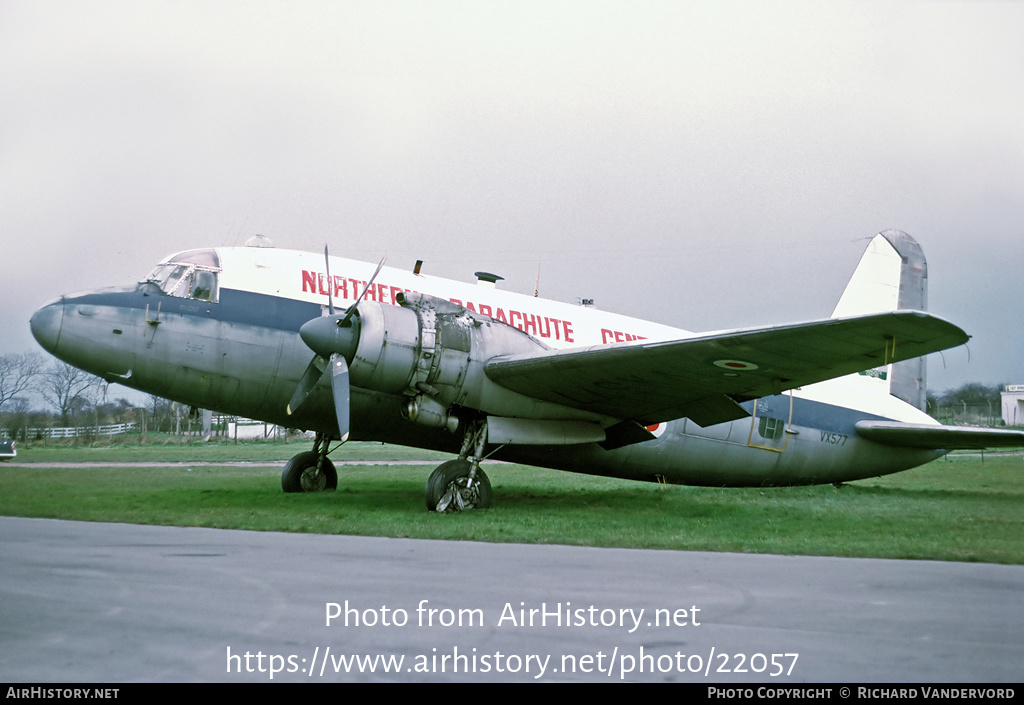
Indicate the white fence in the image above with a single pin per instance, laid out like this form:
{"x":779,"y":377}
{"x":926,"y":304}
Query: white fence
{"x":225,"y":426}
{"x":75,"y":431}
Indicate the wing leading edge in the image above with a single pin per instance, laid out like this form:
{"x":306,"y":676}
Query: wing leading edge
{"x":705,"y":377}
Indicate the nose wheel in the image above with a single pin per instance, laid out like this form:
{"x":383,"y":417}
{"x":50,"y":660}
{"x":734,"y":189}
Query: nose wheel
{"x":310,"y":471}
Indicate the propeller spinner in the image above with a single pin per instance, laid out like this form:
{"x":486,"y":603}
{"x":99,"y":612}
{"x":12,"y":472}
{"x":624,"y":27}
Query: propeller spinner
{"x":334,"y":339}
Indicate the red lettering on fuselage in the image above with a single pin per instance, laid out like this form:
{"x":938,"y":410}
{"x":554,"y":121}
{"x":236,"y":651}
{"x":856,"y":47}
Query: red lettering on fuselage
{"x":529,"y":324}
{"x":340,"y":287}
{"x":617,"y":336}
{"x":348,"y":288}
{"x":532,"y":324}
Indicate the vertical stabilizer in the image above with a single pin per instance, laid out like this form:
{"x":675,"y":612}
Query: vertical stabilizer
{"x":892,"y":275}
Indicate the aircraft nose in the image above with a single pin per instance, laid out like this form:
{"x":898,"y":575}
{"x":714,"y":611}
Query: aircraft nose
{"x":46,"y":323}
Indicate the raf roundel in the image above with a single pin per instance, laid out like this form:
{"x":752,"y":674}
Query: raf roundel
{"x":735,"y":365}
{"x":657,"y":429}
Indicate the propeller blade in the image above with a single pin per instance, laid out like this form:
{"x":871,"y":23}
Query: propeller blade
{"x":352,"y":309}
{"x":339,"y":385}
{"x":330,"y":282}
{"x":332,"y":337}
{"x":310,"y":377}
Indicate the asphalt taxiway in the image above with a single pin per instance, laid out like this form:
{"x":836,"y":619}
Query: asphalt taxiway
{"x":90,"y":602}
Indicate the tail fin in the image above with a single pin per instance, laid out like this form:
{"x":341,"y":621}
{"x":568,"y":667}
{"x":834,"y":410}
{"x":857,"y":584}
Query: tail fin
{"x":892,"y":275}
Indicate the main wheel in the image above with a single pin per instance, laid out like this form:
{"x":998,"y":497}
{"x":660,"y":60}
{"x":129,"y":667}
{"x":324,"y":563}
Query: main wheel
{"x":300,"y":474}
{"x":450,"y":489}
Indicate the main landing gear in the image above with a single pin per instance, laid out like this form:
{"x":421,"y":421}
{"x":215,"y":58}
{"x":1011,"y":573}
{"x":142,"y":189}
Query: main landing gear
{"x":310,"y":471}
{"x":452,"y":487}
{"x":461,"y":484}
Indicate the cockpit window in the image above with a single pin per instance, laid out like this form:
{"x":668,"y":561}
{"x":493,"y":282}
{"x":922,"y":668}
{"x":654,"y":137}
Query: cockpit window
{"x":204,"y":284}
{"x":188,"y":275}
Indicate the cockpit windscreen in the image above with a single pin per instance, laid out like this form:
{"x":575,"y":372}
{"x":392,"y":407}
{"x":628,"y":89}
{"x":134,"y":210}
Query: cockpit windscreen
{"x":188,"y":275}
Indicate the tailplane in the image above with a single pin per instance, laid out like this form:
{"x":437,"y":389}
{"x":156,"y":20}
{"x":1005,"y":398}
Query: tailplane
{"x":892,"y":276}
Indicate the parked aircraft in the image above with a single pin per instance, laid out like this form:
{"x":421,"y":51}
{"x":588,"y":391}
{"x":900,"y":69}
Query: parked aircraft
{"x":334,"y":346}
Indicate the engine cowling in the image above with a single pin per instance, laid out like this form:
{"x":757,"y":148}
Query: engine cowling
{"x":432,"y":351}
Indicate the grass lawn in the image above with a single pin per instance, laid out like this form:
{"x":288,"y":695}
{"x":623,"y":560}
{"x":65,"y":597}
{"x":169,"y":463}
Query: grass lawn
{"x":963,"y":508}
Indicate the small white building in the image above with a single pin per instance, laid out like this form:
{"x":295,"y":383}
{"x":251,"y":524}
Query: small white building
{"x":1013,"y":405}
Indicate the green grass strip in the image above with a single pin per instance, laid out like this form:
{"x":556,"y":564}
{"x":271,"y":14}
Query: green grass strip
{"x":959,"y":509}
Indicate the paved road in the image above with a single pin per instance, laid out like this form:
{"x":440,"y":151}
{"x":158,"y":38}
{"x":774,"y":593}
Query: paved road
{"x":90,"y":602}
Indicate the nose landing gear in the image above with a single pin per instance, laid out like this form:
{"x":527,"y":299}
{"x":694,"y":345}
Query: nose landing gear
{"x":311,"y":470}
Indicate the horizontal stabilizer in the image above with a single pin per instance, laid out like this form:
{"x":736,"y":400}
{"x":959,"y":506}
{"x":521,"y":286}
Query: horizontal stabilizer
{"x":937,"y":437}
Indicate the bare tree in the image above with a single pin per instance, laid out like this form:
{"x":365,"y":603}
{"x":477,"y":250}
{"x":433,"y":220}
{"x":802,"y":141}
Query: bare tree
{"x":65,"y":388}
{"x":19,"y":373}
{"x":16,"y":419}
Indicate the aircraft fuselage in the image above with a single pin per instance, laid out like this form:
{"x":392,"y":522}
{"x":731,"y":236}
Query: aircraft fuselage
{"x":229,"y":341}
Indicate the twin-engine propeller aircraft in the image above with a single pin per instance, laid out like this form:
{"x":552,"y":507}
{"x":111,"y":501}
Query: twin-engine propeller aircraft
{"x":405,"y":358}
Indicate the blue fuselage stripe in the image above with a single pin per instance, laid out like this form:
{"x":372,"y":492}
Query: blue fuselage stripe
{"x":808,"y":413}
{"x":282,"y":313}
{"x":235,"y":306}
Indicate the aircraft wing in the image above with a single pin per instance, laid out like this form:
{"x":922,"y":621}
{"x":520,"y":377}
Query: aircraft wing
{"x":704,"y":377}
{"x":939,"y":437}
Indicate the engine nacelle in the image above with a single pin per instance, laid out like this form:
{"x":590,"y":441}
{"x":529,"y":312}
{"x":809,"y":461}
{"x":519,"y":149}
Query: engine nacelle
{"x":432,"y":351}
{"x":420,"y":346}
{"x":388,"y":348}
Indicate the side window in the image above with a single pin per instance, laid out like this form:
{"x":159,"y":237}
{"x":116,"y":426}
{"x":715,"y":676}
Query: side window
{"x":204,"y":286}
{"x":770,"y":428}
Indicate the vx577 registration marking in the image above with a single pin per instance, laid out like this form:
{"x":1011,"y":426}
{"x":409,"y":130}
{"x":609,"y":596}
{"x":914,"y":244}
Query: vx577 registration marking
{"x":836,"y":439}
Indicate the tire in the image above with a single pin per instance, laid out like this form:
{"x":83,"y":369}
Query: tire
{"x":454,"y":475}
{"x":300,"y":474}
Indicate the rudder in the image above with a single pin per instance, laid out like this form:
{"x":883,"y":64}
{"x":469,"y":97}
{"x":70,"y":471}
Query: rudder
{"x":892,"y":275}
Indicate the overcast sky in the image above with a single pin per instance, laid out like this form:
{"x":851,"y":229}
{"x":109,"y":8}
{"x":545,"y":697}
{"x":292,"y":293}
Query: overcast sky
{"x":707,"y":165}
